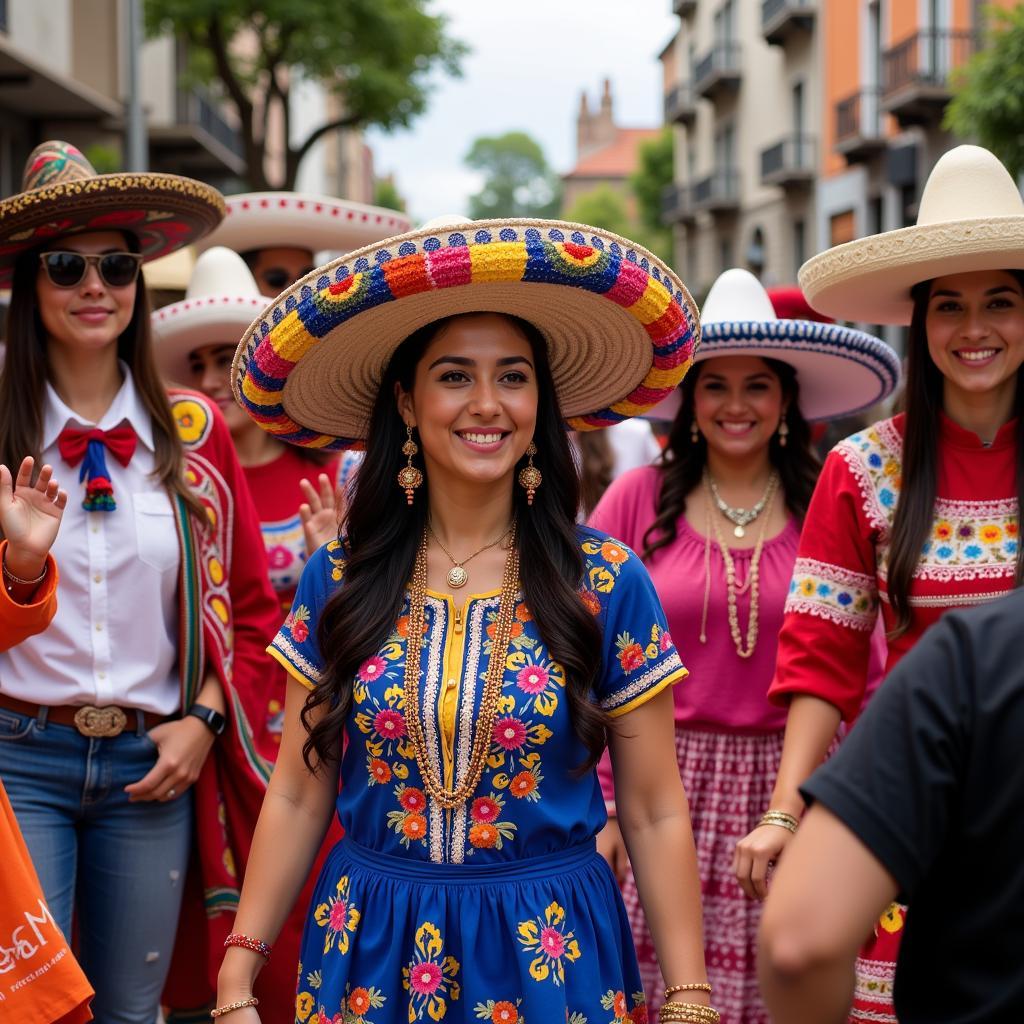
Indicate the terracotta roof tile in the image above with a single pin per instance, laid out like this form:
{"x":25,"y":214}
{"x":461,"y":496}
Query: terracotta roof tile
{"x":617,"y":160}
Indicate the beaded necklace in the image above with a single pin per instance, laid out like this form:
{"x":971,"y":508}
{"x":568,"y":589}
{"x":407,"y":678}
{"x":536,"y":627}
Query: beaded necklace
{"x":432,"y":781}
{"x":744,"y":650}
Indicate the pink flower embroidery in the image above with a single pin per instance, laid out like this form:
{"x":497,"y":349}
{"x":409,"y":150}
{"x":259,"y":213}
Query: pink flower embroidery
{"x":532,"y":679}
{"x":389,"y":724}
{"x":484,"y":809}
{"x":509,"y":733}
{"x":339,"y":914}
{"x":279,"y":557}
{"x":424,"y":978}
{"x":371,"y":669}
{"x":666,"y":641}
{"x":553,"y":942}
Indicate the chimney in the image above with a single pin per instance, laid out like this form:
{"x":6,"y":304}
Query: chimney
{"x":583,"y":127}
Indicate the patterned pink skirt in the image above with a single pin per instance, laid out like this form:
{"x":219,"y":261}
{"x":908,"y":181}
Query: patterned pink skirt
{"x":729,"y":779}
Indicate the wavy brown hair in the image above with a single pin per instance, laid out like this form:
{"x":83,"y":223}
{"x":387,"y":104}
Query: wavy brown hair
{"x":26,"y":371}
{"x":683,"y":461}
{"x":915,"y":510}
{"x":382,"y":534}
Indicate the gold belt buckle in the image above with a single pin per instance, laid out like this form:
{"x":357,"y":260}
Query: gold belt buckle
{"x":101,"y":722}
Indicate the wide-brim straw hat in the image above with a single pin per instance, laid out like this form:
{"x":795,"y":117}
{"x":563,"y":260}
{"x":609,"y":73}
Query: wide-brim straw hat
{"x":971,"y":217}
{"x":620,"y":326}
{"x":840,"y":370}
{"x":267,"y":220}
{"x":62,"y":194}
{"x":220,"y":302}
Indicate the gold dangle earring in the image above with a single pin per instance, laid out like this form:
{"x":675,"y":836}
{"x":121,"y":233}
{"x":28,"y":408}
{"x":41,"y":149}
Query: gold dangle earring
{"x":783,"y":432}
{"x":529,"y":476}
{"x":409,"y":477}
{"x":694,"y":432}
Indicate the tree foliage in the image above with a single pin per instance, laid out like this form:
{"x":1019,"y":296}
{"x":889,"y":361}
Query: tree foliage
{"x":654,"y":174}
{"x":988,"y":100}
{"x":605,"y":207}
{"x":517,"y":179}
{"x":376,"y":57}
{"x":386,"y":194}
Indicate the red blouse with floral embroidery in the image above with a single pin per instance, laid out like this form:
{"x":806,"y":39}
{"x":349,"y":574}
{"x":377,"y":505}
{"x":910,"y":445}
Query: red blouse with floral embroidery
{"x":839,"y":580}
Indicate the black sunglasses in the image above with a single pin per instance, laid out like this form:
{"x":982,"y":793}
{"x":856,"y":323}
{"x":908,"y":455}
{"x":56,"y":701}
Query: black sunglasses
{"x":68,"y":269}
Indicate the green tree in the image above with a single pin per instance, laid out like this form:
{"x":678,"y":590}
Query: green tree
{"x":386,"y":194}
{"x":517,"y":179}
{"x":648,"y":182}
{"x":376,"y":57}
{"x":988,"y":100}
{"x":604,"y":207}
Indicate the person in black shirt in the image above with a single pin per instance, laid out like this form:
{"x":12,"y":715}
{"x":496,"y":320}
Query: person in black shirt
{"x":923,"y":802}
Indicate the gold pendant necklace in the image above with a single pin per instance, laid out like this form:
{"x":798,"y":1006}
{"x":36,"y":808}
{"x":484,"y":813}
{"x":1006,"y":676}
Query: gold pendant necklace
{"x":491,"y":697}
{"x":741,"y":518}
{"x":457,"y":575}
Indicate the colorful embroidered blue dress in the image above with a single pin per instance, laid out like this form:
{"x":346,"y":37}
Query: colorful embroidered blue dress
{"x":501,"y":909}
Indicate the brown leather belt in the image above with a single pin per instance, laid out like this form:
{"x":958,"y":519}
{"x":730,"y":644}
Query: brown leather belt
{"x":109,"y":720}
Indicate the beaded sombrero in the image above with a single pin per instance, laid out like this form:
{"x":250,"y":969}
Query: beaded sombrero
{"x":621,"y":327}
{"x":840,"y":370}
{"x":62,"y":194}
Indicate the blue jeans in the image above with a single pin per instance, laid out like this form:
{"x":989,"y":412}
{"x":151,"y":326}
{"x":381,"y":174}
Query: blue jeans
{"x":118,"y":867}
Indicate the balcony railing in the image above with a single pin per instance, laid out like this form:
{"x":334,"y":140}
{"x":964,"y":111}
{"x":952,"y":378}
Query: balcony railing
{"x":791,"y":162}
{"x":719,"y":192}
{"x":676,"y":204}
{"x":680,"y":105}
{"x":684,"y":8}
{"x":859,"y":133}
{"x":782,"y":18}
{"x":196,"y":108}
{"x":718,"y":71}
{"x":915,"y":73}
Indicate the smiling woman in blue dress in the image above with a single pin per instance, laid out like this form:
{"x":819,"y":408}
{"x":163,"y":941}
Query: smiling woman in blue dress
{"x":470,"y":641}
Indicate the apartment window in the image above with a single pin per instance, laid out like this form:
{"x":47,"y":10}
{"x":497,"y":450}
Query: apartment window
{"x":842,"y":227}
{"x":875,"y":215}
{"x":799,"y":246}
{"x":756,"y":253}
{"x":3,"y":21}
{"x":725,"y":23}
{"x":725,"y":147}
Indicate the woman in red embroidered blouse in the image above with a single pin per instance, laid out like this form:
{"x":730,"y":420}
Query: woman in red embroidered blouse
{"x":918,"y":513}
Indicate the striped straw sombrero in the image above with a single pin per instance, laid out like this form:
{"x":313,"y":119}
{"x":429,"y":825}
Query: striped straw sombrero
{"x":621,"y":327}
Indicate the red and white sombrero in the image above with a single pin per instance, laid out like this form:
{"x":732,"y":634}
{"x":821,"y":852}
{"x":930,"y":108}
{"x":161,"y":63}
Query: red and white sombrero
{"x":264,"y":220}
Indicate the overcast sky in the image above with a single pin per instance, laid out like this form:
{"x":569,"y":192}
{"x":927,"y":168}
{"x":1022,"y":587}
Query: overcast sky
{"x":529,"y":61}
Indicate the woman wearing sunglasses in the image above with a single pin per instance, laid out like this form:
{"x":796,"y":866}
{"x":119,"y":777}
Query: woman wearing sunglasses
{"x":122,"y":729}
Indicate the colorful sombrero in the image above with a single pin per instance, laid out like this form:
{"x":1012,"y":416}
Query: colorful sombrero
{"x":62,"y":194}
{"x":840,"y":370}
{"x":264,"y":220}
{"x":621,"y":327}
{"x":221,"y":299}
{"x":971,"y":217}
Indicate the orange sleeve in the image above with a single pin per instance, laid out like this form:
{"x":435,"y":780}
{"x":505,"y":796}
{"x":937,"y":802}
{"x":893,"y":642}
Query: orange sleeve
{"x":832,"y":606}
{"x":18,"y":621}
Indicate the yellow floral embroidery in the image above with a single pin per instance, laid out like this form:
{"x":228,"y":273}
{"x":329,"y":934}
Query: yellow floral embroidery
{"x":430,"y":977}
{"x":551,"y":944}
{"x":339,"y":917}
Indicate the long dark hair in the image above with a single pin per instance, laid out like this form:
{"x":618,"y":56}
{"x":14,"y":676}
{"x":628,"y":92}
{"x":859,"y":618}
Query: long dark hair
{"x":915,"y":510}
{"x":382,"y":534}
{"x":25,"y":373}
{"x":597,"y":466}
{"x":683,"y":461}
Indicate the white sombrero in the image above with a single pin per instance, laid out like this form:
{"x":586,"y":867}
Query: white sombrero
{"x":221,"y":300}
{"x":971,"y":217}
{"x":840,"y":370}
{"x":264,"y":220}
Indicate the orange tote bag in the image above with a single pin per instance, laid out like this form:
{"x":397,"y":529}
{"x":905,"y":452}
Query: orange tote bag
{"x":40,"y":980}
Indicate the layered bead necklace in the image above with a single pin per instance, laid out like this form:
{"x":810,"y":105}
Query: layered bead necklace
{"x":743,"y":649}
{"x":432,"y":780}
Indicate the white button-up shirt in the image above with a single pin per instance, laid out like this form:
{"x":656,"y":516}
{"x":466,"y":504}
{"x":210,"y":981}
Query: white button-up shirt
{"x":114,"y":639}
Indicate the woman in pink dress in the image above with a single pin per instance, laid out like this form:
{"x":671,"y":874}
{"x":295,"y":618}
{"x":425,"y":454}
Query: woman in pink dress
{"x":717,"y":522}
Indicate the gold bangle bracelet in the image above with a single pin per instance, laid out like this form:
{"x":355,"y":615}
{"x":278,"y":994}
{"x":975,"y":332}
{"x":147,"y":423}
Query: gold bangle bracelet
{"x":693,"y":986}
{"x":231,"y":1007}
{"x":780,"y":818}
{"x":688,"y":1013}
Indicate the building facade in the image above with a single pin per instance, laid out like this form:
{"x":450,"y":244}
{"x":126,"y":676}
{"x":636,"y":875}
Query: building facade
{"x":805,"y":123}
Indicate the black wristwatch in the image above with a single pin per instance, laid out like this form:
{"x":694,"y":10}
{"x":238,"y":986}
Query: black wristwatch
{"x":213,"y":720}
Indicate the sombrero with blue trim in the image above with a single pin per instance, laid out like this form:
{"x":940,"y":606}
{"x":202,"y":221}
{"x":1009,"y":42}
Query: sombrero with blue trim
{"x":840,"y":370}
{"x":621,"y":327}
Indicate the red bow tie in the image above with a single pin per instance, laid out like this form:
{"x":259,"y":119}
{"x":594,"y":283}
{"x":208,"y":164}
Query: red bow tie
{"x":119,"y":441}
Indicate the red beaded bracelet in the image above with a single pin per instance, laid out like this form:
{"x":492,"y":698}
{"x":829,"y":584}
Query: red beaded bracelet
{"x":255,"y":945}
